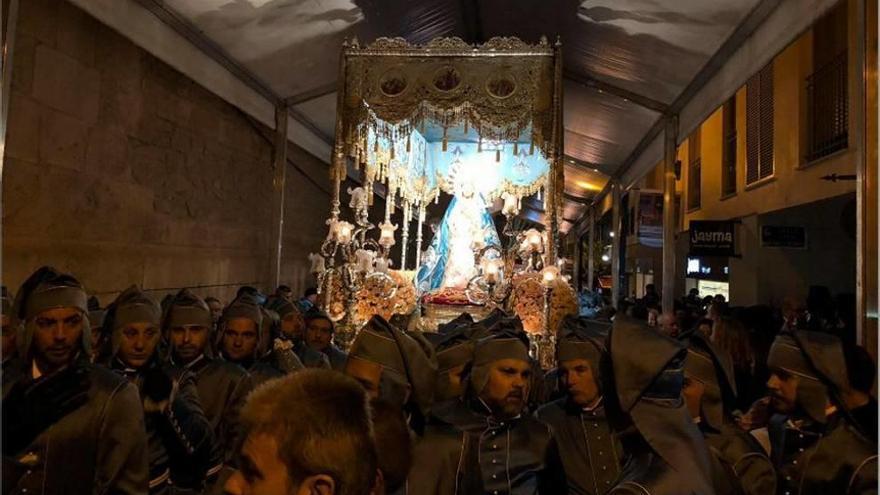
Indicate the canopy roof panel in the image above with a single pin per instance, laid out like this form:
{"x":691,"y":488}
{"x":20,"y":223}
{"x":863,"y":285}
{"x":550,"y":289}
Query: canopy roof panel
{"x":625,"y":60}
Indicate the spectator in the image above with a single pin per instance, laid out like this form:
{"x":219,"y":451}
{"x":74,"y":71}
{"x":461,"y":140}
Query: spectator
{"x":57,"y":405}
{"x":814,"y":444}
{"x":731,"y":336}
{"x":325,"y":448}
{"x":709,"y":393}
{"x":309,"y":299}
{"x":704,"y":327}
{"x":180,"y":440}
{"x":222,"y":386}
{"x":319,"y":336}
{"x":591,"y":454}
{"x":642,"y":379}
{"x":651,"y":298}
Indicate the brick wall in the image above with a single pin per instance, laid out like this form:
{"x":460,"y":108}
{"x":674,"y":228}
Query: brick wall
{"x":122,"y":170}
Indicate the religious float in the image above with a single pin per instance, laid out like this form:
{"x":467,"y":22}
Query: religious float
{"x":481,"y":124}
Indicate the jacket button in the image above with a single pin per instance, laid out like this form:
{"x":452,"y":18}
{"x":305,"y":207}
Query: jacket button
{"x":494,"y":446}
{"x":494,"y":476}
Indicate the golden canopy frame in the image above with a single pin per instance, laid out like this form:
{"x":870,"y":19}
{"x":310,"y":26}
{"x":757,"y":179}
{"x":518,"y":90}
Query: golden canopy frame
{"x":505,"y":90}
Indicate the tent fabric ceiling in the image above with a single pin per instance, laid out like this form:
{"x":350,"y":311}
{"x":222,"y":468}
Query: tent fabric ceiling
{"x":650,"y":49}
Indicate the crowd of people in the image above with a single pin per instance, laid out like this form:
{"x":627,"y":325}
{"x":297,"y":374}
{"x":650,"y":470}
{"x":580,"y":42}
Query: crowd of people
{"x":254,"y":397}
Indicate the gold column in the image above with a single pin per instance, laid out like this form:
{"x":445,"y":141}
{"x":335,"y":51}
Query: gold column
{"x":555,"y":176}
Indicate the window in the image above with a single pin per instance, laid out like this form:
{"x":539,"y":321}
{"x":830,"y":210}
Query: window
{"x":694,"y":172}
{"x":728,"y":159}
{"x":827,"y":95}
{"x":759,"y":125}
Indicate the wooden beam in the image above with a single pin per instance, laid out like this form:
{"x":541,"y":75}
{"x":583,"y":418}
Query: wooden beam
{"x":583,"y":164}
{"x":624,"y":94}
{"x":311,"y":94}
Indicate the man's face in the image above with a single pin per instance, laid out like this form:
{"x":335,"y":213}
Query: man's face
{"x":57,"y":337}
{"x":705,"y":329}
{"x":189,"y":341}
{"x":367,"y":373}
{"x":312,"y":298}
{"x":318,"y":333}
{"x":138,"y":343}
{"x":286,"y":295}
{"x":668,"y":325}
{"x":692,"y":391}
{"x":782,"y":386}
{"x":508,"y":387}
{"x":240,"y":339}
{"x":579,"y":381}
{"x":261,"y":471}
{"x":292,"y":325}
{"x":7,"y":339}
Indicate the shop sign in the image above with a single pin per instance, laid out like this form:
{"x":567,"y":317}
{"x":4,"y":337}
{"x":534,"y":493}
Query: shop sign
{"x":650,"y":219}
{"x":783,"y":236}
{"x":712,"y":238}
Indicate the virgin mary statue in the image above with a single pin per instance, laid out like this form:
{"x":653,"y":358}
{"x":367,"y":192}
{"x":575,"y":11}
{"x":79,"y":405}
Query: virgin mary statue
{"x":449,"y":261}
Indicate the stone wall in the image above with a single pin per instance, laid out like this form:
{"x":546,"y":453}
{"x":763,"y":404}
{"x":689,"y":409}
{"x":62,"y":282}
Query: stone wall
{"x":121,"y":170}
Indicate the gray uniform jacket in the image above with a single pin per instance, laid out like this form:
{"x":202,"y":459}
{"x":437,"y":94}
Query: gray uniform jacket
{"x":470,"y":453}
{"x":181,"y":443}
{"x":222,"y":388}
{"x":590,"y":453}
{"x":743,"y":457}
{"x":99,"y":448}
{"x":822,"y":459}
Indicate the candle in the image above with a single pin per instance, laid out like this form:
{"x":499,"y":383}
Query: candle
{"x":382,"y":265}
{"x":343,"y":232}
{"x":511,"y":205}
{"x":491,"y":270}
{"x":386,"y":236}
{"x":364,"y":260}
{"x":534,"y":240}
{"x":548,"y":275}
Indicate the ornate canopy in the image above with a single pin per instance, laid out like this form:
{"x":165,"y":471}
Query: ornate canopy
{"x":408,"y":114}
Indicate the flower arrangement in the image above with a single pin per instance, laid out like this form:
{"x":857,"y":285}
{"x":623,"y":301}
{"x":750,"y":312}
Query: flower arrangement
{"x":527,"y":301}
{"x":405,"y":299}
{"x":376,"y":297}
